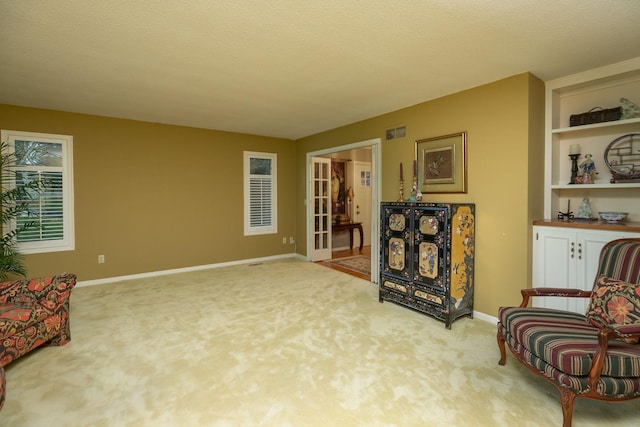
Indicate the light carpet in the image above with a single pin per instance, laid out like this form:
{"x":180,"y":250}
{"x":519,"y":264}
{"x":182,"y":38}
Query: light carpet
{"x":283,"y":343}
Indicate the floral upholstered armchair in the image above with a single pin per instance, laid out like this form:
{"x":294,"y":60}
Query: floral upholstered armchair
{"x":33,"y":313}
{"x":594,"y":355}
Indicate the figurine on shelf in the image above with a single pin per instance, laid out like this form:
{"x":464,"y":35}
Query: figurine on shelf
{"x":584,"y":211}
{"x":416,"y":194}
{"x":588,"y":169}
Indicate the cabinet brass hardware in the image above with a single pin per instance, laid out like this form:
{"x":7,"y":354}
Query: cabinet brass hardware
{"x":579,"y":250}
{"x":573,"y":250}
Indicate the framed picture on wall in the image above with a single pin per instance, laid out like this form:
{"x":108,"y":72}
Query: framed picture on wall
{"x":338,"y":191}
{"x":442,"y":163}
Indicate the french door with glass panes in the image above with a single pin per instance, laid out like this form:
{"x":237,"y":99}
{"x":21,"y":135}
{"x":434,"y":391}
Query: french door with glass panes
{"x":320,"y":208}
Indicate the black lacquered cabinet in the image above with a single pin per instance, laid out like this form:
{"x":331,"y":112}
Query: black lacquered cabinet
{"x":427,"y":257}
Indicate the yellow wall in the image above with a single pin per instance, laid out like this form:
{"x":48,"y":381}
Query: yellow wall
{"x":504,"y":125}
{"x":154,"y":197}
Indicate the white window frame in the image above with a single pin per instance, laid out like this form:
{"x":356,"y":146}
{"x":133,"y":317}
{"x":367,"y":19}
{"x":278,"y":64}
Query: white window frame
{"x":250,"y":229}
{"x":67,"y":242}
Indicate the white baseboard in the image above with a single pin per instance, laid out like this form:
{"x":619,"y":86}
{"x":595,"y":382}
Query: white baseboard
{"x":184,"y":270}
{"x":485,"y":317}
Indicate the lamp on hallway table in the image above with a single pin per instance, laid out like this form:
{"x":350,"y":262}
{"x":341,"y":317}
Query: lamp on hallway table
{"x":350,"y":196}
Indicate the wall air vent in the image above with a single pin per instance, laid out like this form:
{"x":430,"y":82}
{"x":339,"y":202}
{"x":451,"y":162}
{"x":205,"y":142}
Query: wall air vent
{"x":395,"y":133}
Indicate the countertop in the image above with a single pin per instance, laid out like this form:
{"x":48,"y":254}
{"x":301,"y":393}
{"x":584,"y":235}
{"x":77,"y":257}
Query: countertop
{"x":624,"y":226}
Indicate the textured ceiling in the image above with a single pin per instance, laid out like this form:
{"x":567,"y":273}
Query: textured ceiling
{"x":291,"y":68}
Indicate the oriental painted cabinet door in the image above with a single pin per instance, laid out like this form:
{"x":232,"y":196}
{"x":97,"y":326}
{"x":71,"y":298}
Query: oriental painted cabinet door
{"x":397,"y":241}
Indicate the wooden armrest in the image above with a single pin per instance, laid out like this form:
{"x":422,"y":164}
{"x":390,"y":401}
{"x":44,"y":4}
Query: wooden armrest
{"x":628,"y":331}
{"x":604,"y":336}
{"x":552,"y":292}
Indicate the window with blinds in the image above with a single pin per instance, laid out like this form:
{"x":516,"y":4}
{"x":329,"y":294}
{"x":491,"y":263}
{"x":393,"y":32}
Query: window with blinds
{"x":260,"y":193}
{"x":45,"y":209}
{"x":42,"y":163}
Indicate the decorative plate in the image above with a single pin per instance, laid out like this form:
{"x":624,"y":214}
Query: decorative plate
{"x":622,"y":157}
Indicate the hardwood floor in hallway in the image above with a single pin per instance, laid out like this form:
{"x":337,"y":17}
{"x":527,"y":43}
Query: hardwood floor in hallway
{"x":366,"y":250}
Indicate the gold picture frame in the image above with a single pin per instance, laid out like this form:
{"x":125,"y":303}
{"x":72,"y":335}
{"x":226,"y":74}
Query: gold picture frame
{"x":442,"y":163}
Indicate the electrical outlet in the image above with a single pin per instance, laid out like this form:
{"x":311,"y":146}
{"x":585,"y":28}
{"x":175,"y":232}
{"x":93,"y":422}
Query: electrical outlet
{"x":100,"y":259}
{"x":284,"y":240}
{"x":292,"y":241}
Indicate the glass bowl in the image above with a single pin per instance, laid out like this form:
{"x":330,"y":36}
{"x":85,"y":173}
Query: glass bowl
{"x":613,"y":216}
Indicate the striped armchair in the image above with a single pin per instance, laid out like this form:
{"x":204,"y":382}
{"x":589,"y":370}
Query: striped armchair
{"x":595,"y":355}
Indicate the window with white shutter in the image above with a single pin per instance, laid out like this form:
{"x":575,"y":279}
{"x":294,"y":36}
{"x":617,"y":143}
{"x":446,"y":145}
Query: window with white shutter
{"x":260,"y":199}
{"x":46,"y":158}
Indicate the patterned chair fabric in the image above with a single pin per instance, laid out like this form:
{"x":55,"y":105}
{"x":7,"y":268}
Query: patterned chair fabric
{"x":619,"y":260}
{"x":3,"y":385}
{"x":615,"y":304}
{"x":33,"y":313}
{"x":596,"y":355}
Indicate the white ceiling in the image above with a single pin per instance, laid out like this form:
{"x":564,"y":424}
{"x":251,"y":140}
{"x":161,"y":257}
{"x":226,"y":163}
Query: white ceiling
{"x":291,"y":68}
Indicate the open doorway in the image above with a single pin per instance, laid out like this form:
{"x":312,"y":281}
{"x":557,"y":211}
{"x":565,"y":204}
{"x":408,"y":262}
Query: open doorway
{"x":343,"y":197}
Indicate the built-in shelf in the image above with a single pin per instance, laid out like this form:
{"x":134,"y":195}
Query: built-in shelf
{"x":606,"y":125}
{"x":575,"y":94}
{"x":583,"y":187}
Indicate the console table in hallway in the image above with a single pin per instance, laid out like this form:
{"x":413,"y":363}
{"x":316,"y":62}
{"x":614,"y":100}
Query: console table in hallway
{"x":350,"y":226}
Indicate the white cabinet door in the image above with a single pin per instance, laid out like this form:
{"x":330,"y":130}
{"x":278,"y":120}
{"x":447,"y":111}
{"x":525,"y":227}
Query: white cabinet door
{"x":568,"y":258}
{"x":589,"y":244}
{"x":553,"y":263}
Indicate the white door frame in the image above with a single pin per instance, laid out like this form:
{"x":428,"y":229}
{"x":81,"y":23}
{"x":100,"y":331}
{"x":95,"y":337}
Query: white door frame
{"x":376,"y":195}
{"x":359,"y":189}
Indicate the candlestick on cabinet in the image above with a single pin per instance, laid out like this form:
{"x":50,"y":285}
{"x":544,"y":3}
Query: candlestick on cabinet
{"x":574,"y":167}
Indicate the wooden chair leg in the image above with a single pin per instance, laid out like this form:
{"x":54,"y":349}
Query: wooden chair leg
{"x":567,"y":399}
{"x":503,"y":353}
